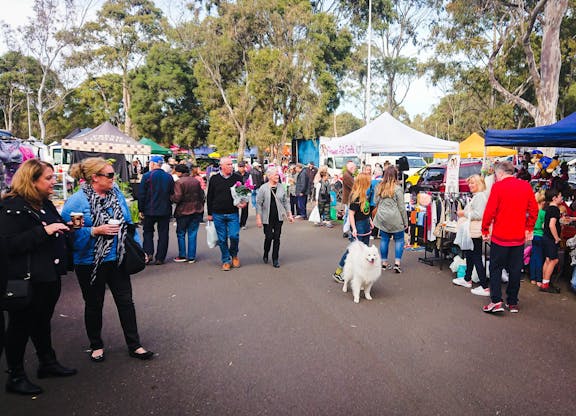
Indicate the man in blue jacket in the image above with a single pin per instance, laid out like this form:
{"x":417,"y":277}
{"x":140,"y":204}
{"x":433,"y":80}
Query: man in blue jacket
{"x":155,"y":207}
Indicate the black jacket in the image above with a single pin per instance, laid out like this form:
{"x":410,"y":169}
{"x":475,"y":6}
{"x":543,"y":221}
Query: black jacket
{"x":23,"y":234}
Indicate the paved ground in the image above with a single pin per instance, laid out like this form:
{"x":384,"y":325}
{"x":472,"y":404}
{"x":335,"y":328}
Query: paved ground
{"x":259,"y":340}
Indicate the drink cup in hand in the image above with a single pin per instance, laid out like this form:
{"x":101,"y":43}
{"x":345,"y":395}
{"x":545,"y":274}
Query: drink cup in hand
{"x":77,"y":220}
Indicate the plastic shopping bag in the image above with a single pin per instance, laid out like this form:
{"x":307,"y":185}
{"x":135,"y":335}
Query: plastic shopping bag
{"x":211,"y":235}
{"x":315,"y":215}
{"x":463,"y":239}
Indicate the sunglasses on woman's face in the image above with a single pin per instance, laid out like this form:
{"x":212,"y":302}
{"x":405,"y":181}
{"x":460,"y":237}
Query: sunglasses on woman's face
{"x":109,"y":175}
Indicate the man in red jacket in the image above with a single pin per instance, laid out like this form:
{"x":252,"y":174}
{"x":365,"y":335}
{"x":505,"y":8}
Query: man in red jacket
{"x":511,"y":211}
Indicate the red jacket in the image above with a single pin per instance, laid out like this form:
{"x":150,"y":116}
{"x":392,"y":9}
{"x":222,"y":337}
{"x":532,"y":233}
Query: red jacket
{"x":511,"y":211}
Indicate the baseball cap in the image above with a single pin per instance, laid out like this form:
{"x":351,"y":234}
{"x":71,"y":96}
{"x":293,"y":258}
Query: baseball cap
{"x":256,"y":164}
{"x":157,"y":159}
{"x":241,"y":164}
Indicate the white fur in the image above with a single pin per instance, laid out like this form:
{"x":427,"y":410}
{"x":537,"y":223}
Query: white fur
{"x":362,"y":269}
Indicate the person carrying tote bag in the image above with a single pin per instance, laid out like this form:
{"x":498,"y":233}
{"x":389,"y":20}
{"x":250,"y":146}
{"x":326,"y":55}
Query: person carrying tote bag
{"x":390,"y":217}
{"x":474,"y":211}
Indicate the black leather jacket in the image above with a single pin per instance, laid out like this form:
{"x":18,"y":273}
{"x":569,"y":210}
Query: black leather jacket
{"x":23,"y":235}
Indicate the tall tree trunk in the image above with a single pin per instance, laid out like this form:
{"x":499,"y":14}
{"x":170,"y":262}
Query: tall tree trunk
{"x":126,"y":102}
{"x":40,"y":109}
{"x":550,"y":63}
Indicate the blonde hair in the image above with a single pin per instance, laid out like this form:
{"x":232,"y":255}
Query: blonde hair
{"x":361,"y":185}
{"x":479,"y":181}
{"x":387,"y":186}
{"x":88,"y":167}
{"x":23,"y":181}
{"x":540,"y":196}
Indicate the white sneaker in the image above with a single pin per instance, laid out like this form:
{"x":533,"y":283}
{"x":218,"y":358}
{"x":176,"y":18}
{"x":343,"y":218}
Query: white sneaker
{"x":461,"y":282}
{"x":480,"y":291}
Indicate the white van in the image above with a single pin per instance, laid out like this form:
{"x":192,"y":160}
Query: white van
{"x":414,"y":162}
{"x":336,"y":163}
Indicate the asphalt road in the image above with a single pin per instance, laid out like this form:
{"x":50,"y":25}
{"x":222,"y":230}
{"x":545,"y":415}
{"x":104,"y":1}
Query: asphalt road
{"x":288,"y":341}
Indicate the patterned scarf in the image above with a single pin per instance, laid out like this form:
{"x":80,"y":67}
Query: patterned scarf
{"x":100,"y":209}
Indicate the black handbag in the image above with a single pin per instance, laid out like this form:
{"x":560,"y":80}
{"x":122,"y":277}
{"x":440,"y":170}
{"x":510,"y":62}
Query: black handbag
{"x":134,"y":257}
{"x":18,"y":293}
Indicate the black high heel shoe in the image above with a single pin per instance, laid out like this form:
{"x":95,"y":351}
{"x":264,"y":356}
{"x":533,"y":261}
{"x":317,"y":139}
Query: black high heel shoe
{"x":148,"y":355}
{"x":97,"y":358}
{"x":265,"y":258}
{"x":275,"y":263}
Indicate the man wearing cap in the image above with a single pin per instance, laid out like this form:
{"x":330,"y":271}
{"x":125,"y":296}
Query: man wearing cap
{"x":224,"y":213}
{"x":156,"y":188}
{"x":245,"y":176}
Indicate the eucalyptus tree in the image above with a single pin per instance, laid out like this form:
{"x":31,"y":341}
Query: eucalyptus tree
{"x":165,"y":107}
{"x":19,"y":76}
{"x":267,"y":69}
{"x":399,"y":35}
{"x":118,"y":39}
{"x":94,"y":101}
{"x":45,"y":38}
{"x":518,"y":42}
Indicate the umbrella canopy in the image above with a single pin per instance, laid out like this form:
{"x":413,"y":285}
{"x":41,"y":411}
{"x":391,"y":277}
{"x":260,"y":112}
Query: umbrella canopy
{"x":473,"y":146}
{"x":106,"y":138}
{"x":156,"y":149}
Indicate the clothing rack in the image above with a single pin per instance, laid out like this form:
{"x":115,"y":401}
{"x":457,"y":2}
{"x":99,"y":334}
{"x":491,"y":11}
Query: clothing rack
{"x":439,"y":250}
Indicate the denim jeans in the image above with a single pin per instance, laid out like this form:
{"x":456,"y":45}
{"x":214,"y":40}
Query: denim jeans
{"x":573,"y":281}
{"x":510,"y":258}
{"x":228,"y":228}
{"x":362,"y":227}
{"x":187,"y":225}
{"x":536,"y":259}
{"x":301,"y":205}
{"x":398,"y":245}
{"x":254,"y":194}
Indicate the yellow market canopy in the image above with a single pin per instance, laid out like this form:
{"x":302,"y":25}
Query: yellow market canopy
{"x":473,"y":146}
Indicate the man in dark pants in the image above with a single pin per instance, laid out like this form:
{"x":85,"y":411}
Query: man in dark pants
{"x":244,"y":175}
{"x":155,"y":207}
{"x":311,"y":172}
{"x":511,"y":211}
{"x":302,"y":186}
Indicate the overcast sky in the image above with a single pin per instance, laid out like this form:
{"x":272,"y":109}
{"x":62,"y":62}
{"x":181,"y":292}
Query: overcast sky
{"x":419,"y":100}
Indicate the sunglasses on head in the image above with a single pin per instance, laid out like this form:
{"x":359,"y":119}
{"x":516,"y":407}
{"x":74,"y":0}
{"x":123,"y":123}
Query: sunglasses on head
{"x":109,"y":175}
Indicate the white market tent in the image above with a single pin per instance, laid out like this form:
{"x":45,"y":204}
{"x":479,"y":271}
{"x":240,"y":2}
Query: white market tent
{"x":385,"y":134}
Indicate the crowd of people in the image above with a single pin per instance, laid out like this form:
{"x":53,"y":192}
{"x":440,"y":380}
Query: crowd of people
{"x":39,"y":242}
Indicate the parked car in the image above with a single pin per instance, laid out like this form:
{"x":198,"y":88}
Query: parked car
{"x":413,"y":179}
{"x":433,"y":177}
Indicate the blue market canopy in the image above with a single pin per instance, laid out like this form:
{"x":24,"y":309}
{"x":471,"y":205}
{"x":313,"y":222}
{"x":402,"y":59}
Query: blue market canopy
{"x":560,"y":134}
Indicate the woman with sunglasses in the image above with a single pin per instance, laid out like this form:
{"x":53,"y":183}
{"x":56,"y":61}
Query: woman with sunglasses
{"x":99,"y":250}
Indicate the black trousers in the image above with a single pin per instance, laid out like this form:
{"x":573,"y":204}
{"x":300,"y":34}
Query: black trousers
{"x":33,"y":323}
{"x":243,"y":216}
{"x":93,"y":294}
{"x":510,"y":258}
{"x":2,"y":330}
{"x":272,"y":233}
{"x":474,"y":260}
{"x":163,"y":232}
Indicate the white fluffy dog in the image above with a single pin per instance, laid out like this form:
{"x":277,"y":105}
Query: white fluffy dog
{"x":362,"y":269}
